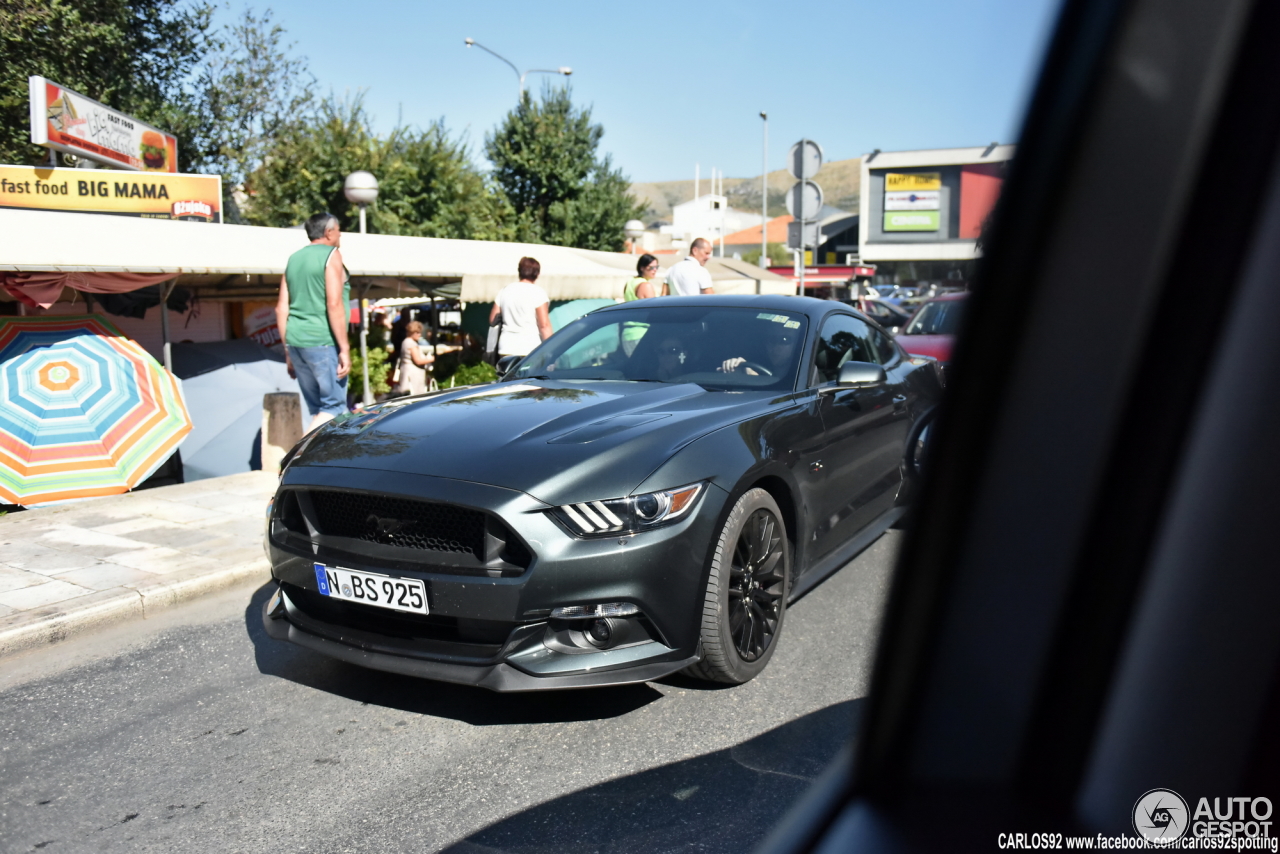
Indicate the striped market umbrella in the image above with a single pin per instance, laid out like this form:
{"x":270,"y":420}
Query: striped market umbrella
{"x":84,"y":411}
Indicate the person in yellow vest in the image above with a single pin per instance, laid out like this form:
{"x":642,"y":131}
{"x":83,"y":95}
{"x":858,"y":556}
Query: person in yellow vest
{"x":642,"y":286}
{"x":312,"y":315}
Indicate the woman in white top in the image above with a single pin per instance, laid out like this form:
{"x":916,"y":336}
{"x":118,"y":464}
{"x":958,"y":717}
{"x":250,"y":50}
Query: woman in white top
{"x":525,"y":311}
{"x":414,"y":362}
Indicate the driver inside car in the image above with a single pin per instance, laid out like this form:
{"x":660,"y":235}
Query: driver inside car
{"x":779,"y":347}
{"x":673,"y":358}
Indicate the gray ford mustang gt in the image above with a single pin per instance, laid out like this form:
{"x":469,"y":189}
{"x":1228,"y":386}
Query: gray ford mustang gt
{"x":644,"y":493}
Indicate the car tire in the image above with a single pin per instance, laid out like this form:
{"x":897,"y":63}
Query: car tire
{"x":751,"y":564}
{"x":912,"y":466}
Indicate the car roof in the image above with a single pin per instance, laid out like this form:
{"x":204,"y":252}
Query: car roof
{"x":814,"y":308}
{"x":958,"y":295}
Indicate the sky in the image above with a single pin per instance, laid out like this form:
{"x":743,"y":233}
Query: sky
{"x":678,"y":84}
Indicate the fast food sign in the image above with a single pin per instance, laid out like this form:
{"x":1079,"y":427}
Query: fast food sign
{"x":69,"y":122}
{"x":160,"y":195}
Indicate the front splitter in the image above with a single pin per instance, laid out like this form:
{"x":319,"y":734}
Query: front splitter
{"x":500,"y":677}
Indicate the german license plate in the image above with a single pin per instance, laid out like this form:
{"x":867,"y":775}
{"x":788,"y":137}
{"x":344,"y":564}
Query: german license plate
{"x":371,"y":588}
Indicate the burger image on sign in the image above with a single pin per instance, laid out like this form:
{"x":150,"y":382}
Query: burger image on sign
{"x":153,"y":151}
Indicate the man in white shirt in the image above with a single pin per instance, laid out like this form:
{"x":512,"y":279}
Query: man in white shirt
{"x":526,"y":320}
{"x":690,"y":277}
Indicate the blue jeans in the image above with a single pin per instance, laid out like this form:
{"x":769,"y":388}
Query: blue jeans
{"x":317,"y":370}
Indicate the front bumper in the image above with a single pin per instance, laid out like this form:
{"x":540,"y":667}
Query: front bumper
{"x":491,"y":627}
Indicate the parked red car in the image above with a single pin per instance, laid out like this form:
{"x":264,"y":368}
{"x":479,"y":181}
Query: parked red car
{"x":932,"y":329}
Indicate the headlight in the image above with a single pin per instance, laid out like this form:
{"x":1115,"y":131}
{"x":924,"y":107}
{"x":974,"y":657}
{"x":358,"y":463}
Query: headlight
{"x":627,"y":515}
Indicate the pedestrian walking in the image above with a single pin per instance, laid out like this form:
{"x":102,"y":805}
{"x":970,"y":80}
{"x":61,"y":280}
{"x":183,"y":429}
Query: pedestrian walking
{"x":415,"y":361}
{"x":312,"y":315}
{"x":525,"y":312}
{"x":690,"y":277}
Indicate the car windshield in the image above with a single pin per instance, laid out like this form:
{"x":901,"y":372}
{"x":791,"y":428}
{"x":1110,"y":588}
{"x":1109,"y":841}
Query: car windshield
{"x":717,"y":347}
{"x":937,"y":318}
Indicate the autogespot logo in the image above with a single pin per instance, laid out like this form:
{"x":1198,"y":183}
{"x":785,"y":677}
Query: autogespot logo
{"x":1160,"y":816}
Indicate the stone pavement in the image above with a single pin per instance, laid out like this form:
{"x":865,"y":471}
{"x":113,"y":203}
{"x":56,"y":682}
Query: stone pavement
{"x":69,"y":568}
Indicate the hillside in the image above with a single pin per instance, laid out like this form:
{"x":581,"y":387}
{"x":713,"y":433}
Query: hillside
{"x":839,"y":181}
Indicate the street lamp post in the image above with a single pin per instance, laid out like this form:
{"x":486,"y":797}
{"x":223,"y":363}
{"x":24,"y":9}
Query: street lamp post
{"x":564,"y":69}
{"x":764,"y":195}
{"x":361,"y":188}
{"x":634,"y":229}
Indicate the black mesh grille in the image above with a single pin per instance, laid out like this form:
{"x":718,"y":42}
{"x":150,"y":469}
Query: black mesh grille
{"x":399,"y":522}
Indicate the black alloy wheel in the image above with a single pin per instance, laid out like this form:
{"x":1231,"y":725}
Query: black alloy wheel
{"x":747,"y":587}
{"x":756,"y":578}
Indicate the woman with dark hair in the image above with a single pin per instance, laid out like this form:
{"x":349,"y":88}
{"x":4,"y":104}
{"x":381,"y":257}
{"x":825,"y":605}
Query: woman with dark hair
{"x":525,"y":312}
{"x":643,"y":286}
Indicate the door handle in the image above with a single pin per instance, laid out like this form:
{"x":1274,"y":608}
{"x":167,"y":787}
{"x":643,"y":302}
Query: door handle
{"x":899,"y":402}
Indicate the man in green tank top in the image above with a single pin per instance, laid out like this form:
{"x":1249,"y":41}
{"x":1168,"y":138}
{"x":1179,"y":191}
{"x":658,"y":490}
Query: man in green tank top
{"x":312,"y":316}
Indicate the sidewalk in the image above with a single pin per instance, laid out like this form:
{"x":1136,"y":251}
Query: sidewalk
{"x":67,"y":569}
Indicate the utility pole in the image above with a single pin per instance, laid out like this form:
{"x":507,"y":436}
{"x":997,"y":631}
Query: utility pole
{"x":764,"y":195}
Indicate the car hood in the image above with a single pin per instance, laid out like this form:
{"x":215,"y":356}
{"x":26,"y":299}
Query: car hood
{"x":560,"y":442}
{"x":937,"y":346}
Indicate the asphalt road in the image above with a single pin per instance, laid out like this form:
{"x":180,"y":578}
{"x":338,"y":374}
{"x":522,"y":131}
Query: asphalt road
{"x":197,"y":732}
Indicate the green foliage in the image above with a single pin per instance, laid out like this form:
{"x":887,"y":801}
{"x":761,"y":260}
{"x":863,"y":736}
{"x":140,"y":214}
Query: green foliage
{"x":379,"y":370}
{"x":545,"y":164}
{"x":254,"y":92}
{"x":244,"y":107}
{"x":136,"y":56}
{"x":477,"y":374}
{"x":427,"y":186}
{"x":779,"y":255}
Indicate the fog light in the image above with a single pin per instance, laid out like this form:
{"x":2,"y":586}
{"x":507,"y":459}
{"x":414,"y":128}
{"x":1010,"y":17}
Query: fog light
{"x":606,"y":633}
{"x":607,"y":609}
{"x":600,"y":632}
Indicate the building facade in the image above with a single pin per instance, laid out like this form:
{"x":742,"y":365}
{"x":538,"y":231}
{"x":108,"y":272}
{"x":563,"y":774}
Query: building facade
{"x":923,"y":212}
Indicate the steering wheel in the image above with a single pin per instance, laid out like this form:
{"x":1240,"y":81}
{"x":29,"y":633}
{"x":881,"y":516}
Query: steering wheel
{"x":755,"y":366}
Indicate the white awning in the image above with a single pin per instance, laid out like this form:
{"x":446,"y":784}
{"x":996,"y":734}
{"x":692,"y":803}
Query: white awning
{"x":75,"y":242}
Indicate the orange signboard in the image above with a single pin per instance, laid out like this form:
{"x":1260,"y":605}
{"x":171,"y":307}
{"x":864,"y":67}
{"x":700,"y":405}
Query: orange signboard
{"x":68,"y":121}
{"x":159,"y":195}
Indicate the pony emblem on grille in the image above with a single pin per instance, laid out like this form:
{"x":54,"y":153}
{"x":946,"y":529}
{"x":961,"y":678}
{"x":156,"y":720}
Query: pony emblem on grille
{"x":384,"y":527}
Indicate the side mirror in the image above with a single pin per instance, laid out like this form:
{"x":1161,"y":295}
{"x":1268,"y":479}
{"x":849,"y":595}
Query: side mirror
{"x":854,"y":374}
{"x":505,"y":364}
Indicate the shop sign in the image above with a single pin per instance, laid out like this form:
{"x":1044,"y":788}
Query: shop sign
{"x":911,"y":221}
{"x":912,"y":181}
{"x":912,"y":200}
{"x":159,"y":195}
{"x":260,"y":325}
{"x":69,"y":122}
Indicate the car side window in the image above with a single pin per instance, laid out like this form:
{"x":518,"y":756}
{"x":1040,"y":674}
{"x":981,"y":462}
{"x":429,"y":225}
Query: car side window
{"x":881,"y":346}
{"x":844,"y":338}
{"x":598,"y":348}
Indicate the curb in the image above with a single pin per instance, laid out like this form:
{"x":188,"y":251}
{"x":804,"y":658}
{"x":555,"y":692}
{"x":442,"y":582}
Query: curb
{"x":55,"y":623}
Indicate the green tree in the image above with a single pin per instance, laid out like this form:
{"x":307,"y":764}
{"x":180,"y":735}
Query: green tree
{"x":426,"y":183}
{"x":136,"y":56}
{"x":545,"y":163}
{"x":253,"y":93}
{"x":779,"y":255}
